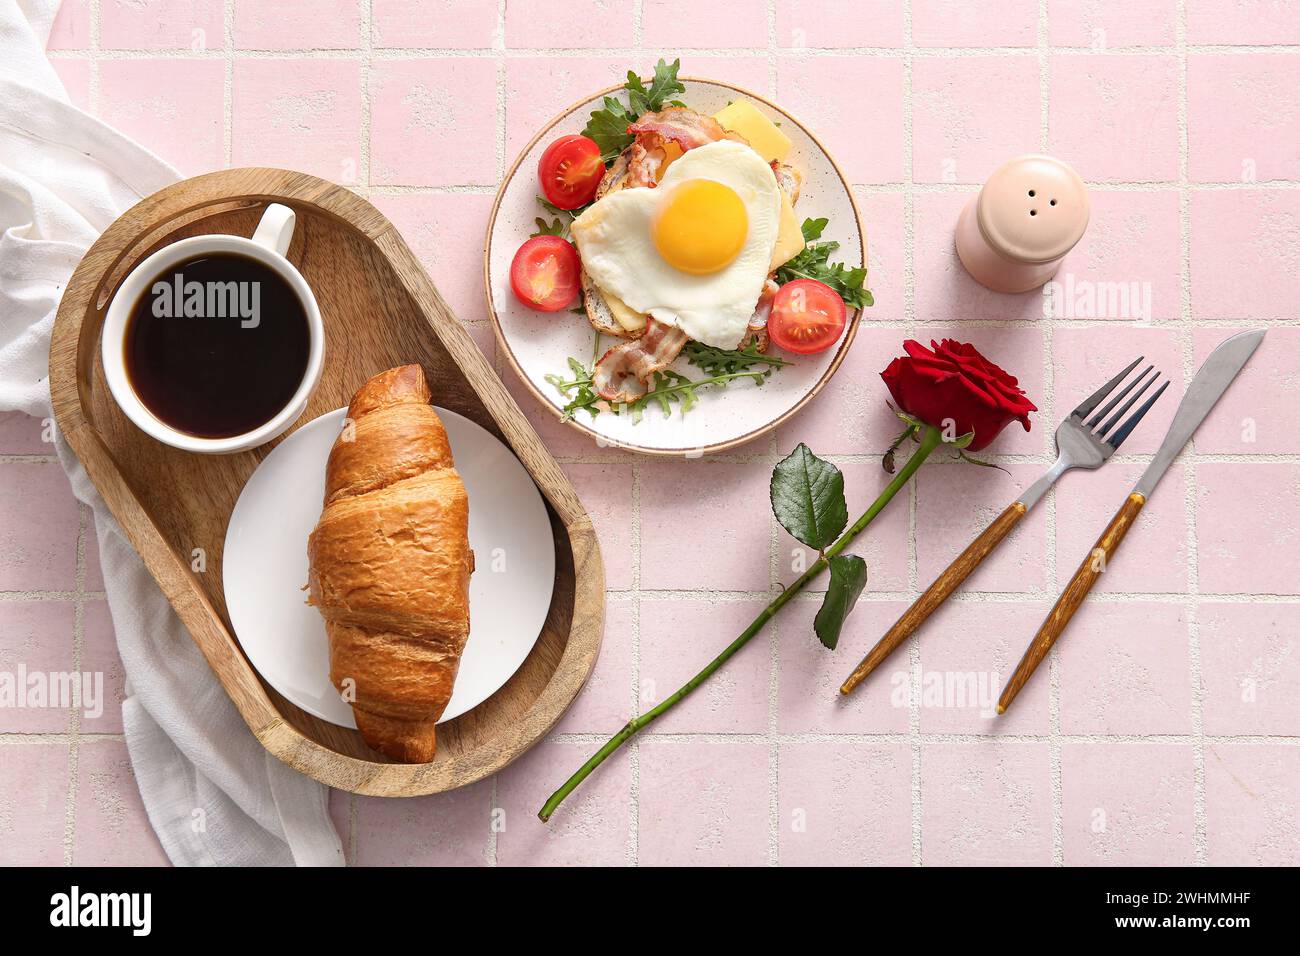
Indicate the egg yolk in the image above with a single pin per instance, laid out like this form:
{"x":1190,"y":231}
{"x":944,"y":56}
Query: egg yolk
{"x":701,"y":227}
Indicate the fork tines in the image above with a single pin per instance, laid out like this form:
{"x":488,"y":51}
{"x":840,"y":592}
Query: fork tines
{"x":1142,"y":382}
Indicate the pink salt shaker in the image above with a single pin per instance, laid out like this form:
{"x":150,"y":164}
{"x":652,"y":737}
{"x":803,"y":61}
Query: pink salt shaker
{"x":1014,"y":233}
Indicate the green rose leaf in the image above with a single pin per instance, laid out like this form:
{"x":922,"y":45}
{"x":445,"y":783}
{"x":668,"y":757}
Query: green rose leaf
{"x":848,"y":578}
{"x":808,"y":498}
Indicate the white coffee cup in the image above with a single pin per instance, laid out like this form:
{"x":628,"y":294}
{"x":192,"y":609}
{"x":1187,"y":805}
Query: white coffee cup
{"x":268,"y":245}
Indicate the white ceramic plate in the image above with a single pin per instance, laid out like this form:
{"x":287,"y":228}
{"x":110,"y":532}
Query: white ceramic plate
{"x":538,"y":344}
{"x":265,"y":566}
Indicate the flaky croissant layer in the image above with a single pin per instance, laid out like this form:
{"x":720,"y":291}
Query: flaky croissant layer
{"x":390,"y":565}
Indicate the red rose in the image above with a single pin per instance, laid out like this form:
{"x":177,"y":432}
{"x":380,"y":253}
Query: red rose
{"x":954,"y":383}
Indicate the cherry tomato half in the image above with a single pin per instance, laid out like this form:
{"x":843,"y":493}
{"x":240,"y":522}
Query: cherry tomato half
{"x":545,"y":273}
{"x":569,"y":171}
{"x":807,"y":316}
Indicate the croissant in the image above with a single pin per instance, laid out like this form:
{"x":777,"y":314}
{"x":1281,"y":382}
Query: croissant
{"x":390,"y":565}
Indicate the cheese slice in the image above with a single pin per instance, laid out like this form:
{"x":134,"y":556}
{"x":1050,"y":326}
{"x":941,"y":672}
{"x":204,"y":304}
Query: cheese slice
{"x":789,"y":236}
{"x":741,"y":116}
{"x":624,"y":315}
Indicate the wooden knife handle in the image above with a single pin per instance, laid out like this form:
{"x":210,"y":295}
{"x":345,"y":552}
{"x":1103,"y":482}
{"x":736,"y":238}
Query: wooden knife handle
{"x":937,"y":593}
{"x":1092,"y":568}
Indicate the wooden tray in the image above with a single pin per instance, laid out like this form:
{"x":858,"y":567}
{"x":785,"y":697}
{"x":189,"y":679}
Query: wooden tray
{"x":380,"y":310}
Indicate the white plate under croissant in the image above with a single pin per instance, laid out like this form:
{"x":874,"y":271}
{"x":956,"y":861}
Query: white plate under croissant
{"x":265,"y":567}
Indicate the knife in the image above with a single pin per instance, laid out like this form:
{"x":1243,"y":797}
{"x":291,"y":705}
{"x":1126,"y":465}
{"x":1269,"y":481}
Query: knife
{"x":1210,"y":382}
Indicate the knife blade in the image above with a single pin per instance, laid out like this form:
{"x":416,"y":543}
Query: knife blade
{"x":1210,"y":382}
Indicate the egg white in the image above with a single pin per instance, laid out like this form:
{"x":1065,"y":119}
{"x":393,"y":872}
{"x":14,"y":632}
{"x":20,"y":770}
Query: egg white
{"x":614,"y":239}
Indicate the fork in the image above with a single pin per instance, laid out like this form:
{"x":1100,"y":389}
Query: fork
{"x":1081,"y":442}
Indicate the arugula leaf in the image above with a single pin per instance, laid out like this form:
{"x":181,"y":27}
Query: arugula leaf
{"x":808,"y":498}
{"x":554,"y":228}
{"x":848,"y":578}
{"x":715,"y":361}
{"x":578,"y":389}
{"x":814,"y":263}
{"x":668,"y":390}
{"x":608,"y":125}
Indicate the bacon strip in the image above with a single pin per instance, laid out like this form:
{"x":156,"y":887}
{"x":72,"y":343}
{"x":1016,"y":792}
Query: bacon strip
{"x":680,"y":125}
{"x":621,"y":373}
{"x":757,"y":331}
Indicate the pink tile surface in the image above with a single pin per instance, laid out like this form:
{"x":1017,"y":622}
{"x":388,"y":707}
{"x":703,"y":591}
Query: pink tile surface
{"x":1241,"y":113}
{"x":446,"y":24}
{"x":1154,"y":555}
{"x":112,"y":827}
{"x":36,"y":655}
{"x":161,"y":24}
{"x":984,"y":803}
{"x":1125,"y":670}
{"x":703,"y":802}
{"x":1254,"y":416}
{"x":71,"y":29}
{"x":181,"y":99}
{"x":845,"y":804}
{"x":33,"y":816}
{"x":75,"y":77}
{"x":446,"y":829}
{"x":969,"y":649}
{"x":689,"y":25}
{"x":802,"y":24}
{"x":610,"y":696}
{"x":675,"y":647}
{"x":38,"y":528}
{"x":591,"y":828}
{"x":445,"y":231}
{"x":801,"y":89}
{"x":606,"y":492}
{"x":417,"y":106}
{"x":1131,"y":103}
{"x":1110,"y":24}
{"x":955,"y":502}
{"x":302,"y":25}
{"x":752,"y":768}
{"x":1126,"y":266}
{"x":731,"y":555}
{"x":809,"y":676}
{"x":1242,"y":21}
{"x":23,"y":435}
{"x":1239,"y":535}
{"x":1238,"y":236}
{"x":956,"y":23}
{"x":1251,"y":792}
{"x":99,"y":657}
{"x":843,"y":420}
{"x":959,"y":134}
{"x":569,"y":24}
{"x":1085,"y":358}
{"x":302,"y":114}
{"x":883,"y":545}
{"x":1250,"y":667}
{"x":1126,"y":804}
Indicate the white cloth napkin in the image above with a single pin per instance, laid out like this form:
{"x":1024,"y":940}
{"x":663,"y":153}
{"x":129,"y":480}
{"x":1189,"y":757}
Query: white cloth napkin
{"x":213,"y":794}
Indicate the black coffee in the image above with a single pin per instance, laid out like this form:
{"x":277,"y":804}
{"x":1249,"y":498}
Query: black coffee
{"x":216,"y":345}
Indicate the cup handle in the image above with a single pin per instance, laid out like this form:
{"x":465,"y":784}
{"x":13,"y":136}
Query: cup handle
{"x":275,"y":230}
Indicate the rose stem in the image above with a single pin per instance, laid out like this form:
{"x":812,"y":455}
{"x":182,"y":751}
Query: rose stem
{"x":930,"y":439}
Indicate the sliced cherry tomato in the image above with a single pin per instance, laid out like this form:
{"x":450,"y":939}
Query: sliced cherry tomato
{"x":807,"y":316}
{"x":545,"y":273}
{"x":570,"y":171}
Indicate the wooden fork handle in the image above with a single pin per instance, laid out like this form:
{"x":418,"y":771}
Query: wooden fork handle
{"x":937,"y":593}
{"x":1092,"y":568}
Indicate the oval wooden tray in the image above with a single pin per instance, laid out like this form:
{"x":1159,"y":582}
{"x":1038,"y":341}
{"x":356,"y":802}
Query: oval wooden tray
{"x":380,"y":310}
